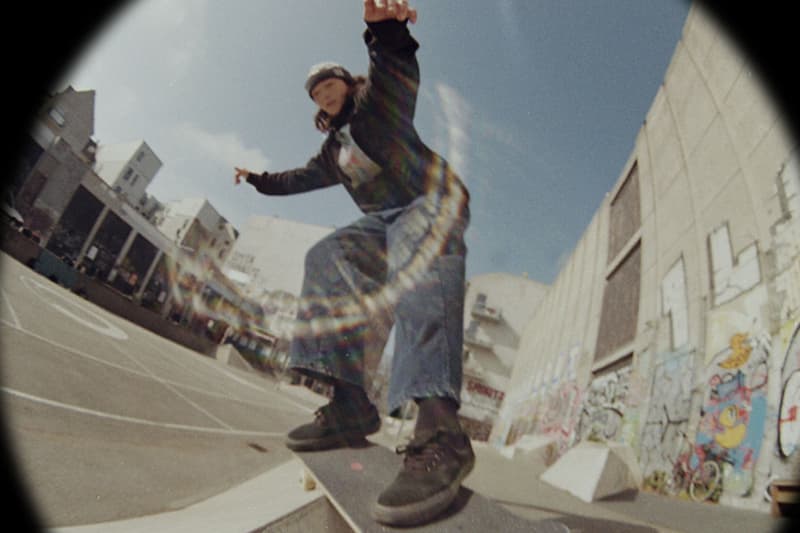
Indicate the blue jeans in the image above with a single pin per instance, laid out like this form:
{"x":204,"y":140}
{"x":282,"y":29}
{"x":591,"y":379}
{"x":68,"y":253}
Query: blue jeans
{"x":408,"y":261}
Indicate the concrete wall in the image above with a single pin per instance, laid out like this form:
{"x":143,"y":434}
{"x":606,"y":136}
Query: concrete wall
{"x":706,"y":278}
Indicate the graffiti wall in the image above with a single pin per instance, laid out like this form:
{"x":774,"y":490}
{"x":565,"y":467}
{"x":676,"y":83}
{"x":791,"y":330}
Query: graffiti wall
{"x":559,"y":408}
{"x":789,"y":418}
{"x":734,"y":411}
{"x":669,"y":410}
{"x":603,"y":408}
{"x":550,"y":406}
{"x":559,"y":413}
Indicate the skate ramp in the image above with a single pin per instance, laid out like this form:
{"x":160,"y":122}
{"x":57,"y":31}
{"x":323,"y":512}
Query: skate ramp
{"x":593,"y":470}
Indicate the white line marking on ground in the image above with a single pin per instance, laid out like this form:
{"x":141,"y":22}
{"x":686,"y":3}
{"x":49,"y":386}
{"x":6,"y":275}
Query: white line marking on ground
{"x":79,"y":353}
{"x":171,"y":388}
{"x":16,"y":324}
{"x":209,"y":362}
{"x":120,"y":418}
{"x":104,"y":327}
{"x":236,"y":378}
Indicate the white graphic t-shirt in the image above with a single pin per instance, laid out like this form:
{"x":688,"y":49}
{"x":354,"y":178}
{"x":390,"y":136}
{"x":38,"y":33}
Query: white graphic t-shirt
{"x":353,"y":161}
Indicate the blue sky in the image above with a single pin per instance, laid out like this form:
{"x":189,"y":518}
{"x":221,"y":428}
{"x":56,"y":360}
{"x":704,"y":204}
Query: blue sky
{"x":536,"y":103}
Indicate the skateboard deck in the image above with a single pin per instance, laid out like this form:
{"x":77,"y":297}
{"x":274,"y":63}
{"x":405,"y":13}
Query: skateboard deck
{"x":352,"y":479}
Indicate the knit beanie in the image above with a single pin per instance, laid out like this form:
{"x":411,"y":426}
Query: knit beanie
{"x":323,"y":71}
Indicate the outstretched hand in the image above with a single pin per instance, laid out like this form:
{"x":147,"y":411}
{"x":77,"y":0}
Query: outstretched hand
{"x":378,"y":10}
{"x":241,"y":173}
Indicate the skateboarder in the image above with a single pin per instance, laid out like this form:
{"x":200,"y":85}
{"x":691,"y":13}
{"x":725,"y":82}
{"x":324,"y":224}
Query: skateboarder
{"x":406,"y":254}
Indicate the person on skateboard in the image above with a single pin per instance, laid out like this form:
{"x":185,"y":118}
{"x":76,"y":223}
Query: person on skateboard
{"x":405,"y":255}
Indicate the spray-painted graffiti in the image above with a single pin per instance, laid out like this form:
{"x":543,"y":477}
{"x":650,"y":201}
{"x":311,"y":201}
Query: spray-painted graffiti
{"x":559,"y":413}
{"x":789,"y":418}
{"x":735,"y":409}
{"x":559,"y":408}
{"x":668,"y":414}
{"x":552,"y":404}
{"x":789,"y":421}
{"x":604,"y":407}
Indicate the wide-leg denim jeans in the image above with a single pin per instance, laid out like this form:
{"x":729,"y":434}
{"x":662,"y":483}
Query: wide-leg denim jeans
{"x":409,"y":261}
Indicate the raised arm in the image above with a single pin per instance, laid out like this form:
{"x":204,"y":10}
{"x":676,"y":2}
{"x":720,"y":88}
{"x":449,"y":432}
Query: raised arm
{"x":393,"y":68}
{"x":308,"y":178}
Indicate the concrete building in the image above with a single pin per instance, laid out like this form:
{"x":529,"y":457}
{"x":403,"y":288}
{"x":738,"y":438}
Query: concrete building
{"x":683,"y":294}
{"x":52,"y":164}
{"x":497,"y":308}
{"x":78,"y":216}
{"x":197,"y":227}
{"x":269,"y":254}
{"x":69,"y":115}
{"x":128,"y":168}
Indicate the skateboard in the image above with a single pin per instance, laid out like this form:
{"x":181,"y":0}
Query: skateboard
{"x":352,"y":478}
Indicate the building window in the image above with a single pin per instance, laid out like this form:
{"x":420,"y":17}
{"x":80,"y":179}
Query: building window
{"x":135,"y":178}
{"x":139,"y":157}
{"x":58,"y":116}
{"x":620,"y":312}
{"x":128,"y":174}
{"x":624,"y":215}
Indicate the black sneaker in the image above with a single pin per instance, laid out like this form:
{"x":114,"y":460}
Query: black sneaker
{"x":336,"y":425}
{"x":433,"y":469}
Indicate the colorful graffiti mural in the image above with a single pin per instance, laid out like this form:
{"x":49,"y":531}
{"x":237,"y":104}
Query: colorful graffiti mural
{"x":734,"y":411}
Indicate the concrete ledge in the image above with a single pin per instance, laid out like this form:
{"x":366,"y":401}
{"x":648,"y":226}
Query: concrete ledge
{"x":250,"y":506}
{"x":229,"y":355}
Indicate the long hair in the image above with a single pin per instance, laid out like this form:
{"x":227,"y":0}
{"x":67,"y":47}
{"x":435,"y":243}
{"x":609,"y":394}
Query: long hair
{"x":324,"y":122}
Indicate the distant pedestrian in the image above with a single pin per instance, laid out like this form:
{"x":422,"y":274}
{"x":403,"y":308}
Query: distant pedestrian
{"x":406,"y":253}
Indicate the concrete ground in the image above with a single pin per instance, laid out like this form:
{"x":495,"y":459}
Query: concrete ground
{"x":117,"y":430}
{"x":516,"y":484}
{"x":106,"y":421}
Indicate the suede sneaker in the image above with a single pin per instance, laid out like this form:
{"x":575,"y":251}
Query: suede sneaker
{"x":336,"y":425}
{"x":433,"y":469}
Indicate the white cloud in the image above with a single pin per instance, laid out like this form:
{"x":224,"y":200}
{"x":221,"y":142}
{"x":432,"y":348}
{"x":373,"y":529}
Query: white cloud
{"x":457,"y":113}
{"x":223,"y":148}
{"x":177,"y":28}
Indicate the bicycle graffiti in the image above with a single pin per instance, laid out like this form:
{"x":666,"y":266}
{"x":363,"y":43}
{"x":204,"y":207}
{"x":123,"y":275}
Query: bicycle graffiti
{"x":696,"y":471}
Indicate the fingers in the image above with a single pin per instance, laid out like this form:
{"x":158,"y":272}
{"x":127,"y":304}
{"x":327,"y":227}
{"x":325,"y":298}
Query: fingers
{"x":377,"y":10}
{"x":240,"y":173}
{"x":398,"y":8}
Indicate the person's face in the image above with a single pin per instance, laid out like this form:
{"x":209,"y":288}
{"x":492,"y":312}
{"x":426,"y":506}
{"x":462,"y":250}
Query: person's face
{"x":330,"y":95}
